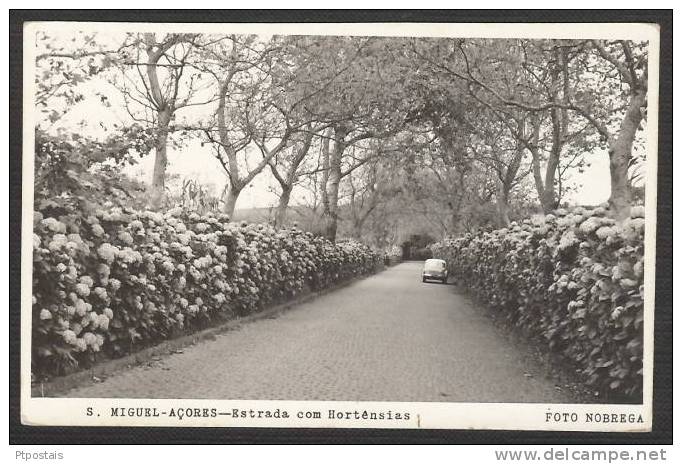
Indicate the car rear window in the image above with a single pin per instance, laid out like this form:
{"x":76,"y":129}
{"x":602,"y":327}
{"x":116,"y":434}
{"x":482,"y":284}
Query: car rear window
{"x":434,"y":265}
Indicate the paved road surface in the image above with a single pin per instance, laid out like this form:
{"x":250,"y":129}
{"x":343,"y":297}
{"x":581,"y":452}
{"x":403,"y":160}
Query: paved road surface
{"x":389,"y":337}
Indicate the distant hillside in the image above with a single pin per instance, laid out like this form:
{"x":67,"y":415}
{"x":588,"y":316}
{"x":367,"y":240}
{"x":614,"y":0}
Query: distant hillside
{"x":303,"y":216}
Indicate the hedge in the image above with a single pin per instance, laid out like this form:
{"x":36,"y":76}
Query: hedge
{"x":572,"y":280}
{"x":393,"y":256}
{"x":121,"y":280}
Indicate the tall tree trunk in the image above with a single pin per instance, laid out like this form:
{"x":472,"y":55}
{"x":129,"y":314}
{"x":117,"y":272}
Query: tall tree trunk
{"x":288,"y":181}
{"x":506,"y":184}
{"x":231,"y":200}
{"x":558,"y":119}
{"x":160,"y":159}
{"x":357,"y":230}
{"x":545,"y":187}
{"x":544,"y":190}
{"x":537,"y":175}
{"x":325,"y":172}
{"x":454,"y":225}
{"x":281,"y":212}
{"x":331,"y":216}
{"x":620,"y":152}
{"x":502,"y":203}
{"x":549,"y":197}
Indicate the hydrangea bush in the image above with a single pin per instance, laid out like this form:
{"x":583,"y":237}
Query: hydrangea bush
{"x":393,"y":255}
{"x":573,"y":280}
{"x":120,"y":280}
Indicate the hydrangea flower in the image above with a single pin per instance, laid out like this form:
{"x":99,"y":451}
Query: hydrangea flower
{"x":81,"y":307}
{"x":100,"y":292}
{"x":89,"y":338}
{"x":82,"y":289}
{"x":70,"y":337}
{"x":130,"y":256}
{"x":54,"y":225}
{"x":103,"y":322}
{"x":81,"y":344}
{"x":568,"y":239}
{"x":108,"y":252}
{"x":184,"y":238}
{"x":633,"y":228}
{"x":45,"y":315}
{"x":58,"y":242}
{"x":605,"y":232}
{"x":125,"y":237}
{"x":590,"y":225}
{"x":155,"y":217}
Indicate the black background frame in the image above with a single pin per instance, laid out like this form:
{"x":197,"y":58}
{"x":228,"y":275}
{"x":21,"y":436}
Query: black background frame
{"x":662,"y":432}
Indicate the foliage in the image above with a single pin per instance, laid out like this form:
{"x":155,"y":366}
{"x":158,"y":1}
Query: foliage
{"x":61,"y":68}
{"x":417,"y":247}
{"x":393,"y":255}
{"x":75,"y":174}
{"x":192,"y":196}
{"x":573,"y":280}
{"x":119,"y":279}
{"x":482,"y":127}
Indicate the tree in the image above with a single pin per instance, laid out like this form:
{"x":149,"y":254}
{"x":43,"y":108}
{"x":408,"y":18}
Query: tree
{"x":286,"y":171}
{"x":498,"y":73}
{"x":576,"y":82}
{"x":260,"y":106}
{"x":629,"y":63}
{"x":356,"y":104}
{"x":61,"y":66}
{"x":159,"y":88}
{"x":369,"y":187}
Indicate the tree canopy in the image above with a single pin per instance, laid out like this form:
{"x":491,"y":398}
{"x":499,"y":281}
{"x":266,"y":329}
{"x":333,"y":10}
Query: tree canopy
{"x":375,"y":138}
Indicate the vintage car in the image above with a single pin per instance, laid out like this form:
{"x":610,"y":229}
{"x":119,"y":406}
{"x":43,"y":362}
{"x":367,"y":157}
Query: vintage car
{"x":435,"y":269}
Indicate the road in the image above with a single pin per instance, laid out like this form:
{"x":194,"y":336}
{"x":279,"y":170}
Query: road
{"x":389,"y":337}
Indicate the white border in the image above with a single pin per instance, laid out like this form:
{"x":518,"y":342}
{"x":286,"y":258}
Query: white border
{"x":509,"y":416}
